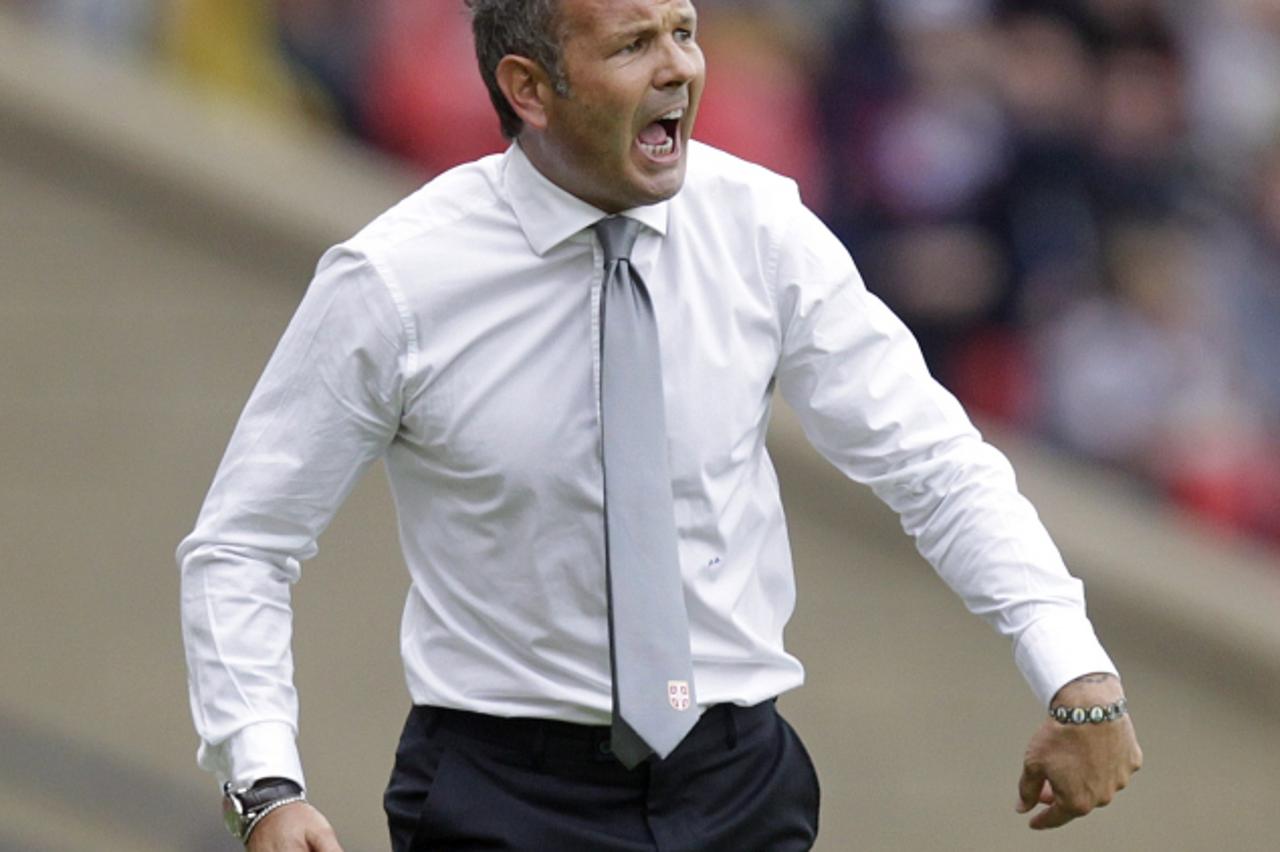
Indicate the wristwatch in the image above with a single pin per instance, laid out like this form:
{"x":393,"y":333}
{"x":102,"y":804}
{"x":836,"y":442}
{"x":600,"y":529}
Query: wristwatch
{"x":244,"y":807}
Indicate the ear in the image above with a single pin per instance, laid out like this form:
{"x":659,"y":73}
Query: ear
{"x":527,"y":89}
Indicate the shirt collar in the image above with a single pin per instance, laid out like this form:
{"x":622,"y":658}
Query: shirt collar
{"x":549,"y":215}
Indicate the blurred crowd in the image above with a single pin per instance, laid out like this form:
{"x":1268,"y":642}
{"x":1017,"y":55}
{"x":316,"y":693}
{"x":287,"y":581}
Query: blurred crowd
{"x":1074,"y":203}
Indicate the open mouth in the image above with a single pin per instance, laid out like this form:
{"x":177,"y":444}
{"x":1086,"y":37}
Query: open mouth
{"x":661,"y":138}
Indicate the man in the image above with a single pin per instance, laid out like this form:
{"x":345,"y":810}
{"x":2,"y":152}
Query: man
{"x":489,"y":336}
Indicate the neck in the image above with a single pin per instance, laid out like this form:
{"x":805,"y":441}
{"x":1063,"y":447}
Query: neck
{"x":551,"y":165}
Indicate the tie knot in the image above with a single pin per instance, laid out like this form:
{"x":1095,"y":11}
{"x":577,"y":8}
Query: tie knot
{"x":617,"y":236}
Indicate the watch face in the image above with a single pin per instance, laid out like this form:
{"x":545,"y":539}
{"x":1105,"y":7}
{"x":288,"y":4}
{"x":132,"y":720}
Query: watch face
{"x":233,"y":815}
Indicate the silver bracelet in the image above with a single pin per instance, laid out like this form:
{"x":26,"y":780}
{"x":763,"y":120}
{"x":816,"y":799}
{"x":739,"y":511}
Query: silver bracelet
{"x":257,"y":818}
{"x":1095,"y":715}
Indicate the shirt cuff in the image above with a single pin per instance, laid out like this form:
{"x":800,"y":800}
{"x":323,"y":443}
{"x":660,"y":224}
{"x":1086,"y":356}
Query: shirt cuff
{"x":1056,"y":650}
{"x":260,"y":750}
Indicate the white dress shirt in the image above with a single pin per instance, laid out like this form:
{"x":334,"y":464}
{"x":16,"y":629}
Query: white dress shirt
{"x":457,"y":336}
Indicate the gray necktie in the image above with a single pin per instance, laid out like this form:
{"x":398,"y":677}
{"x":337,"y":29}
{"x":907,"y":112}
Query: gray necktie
{"x":653,"y":700}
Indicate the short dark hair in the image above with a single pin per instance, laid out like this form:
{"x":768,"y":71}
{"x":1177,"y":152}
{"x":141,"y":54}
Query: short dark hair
{"x":528,"y":28}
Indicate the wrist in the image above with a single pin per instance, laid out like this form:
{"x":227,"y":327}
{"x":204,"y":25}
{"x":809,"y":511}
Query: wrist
{"x":243,"y":807}
{"x":1094,"y":714}
{"x":1091,"y":699}
{"x":1096,"y":688}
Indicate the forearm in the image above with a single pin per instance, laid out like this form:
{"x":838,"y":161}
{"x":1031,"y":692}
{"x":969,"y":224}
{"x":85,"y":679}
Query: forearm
{"x":1088,"y":690}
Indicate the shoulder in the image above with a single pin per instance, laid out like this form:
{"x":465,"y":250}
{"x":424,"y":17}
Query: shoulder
{"x":739,"y":205}
{"x":716,"y":176}
{"x":423,"y":233}
{"x":748,"y":206}
{"x":737,"y":201}
{"x":451,"y":200}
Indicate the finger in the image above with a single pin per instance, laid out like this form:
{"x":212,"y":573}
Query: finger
{"x":1052,"y":817}
{"x":1046,"y":797}
{"x":1030,"y":788}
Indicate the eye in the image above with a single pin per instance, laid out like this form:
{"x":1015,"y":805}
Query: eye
{"x":632,"y":47}
{"x":684,"y":35}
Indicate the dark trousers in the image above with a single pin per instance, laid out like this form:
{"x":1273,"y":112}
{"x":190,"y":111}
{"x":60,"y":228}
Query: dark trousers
{"x":740,"y":782}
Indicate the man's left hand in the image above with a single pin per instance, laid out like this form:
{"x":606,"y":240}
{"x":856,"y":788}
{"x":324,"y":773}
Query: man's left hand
{"x":1075,"y":768}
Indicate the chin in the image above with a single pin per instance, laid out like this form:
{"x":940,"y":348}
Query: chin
{"x":658,"y":189}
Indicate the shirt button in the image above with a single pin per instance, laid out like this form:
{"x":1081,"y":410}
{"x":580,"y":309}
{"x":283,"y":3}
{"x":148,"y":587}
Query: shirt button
{"x":604,"y":748}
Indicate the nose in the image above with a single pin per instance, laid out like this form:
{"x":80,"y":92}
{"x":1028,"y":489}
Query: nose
{"x":681,"y":63}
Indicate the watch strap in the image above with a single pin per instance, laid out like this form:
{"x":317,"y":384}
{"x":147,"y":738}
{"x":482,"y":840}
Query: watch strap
{"x":267,"y":790}
{"x":245,"y":807}
{"x":261,"y":814}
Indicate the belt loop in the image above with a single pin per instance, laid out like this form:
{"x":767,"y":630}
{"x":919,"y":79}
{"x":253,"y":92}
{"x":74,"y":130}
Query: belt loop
{"x":730,"y":728}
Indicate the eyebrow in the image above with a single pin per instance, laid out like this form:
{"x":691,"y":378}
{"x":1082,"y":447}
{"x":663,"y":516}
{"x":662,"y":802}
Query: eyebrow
{"x":687,"y":19}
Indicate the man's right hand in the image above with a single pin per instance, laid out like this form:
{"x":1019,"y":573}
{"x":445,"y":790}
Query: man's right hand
{"x":294,"y":828}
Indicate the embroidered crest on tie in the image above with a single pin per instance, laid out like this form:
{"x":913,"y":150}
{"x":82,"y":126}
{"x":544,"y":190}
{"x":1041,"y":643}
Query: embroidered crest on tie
{"x":654,"y":704}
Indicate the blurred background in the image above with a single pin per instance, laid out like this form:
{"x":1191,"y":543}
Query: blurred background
{"x":1074,"y":204}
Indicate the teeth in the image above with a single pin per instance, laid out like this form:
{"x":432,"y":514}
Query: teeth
{"x":659,"y":150}
{"x":674,"y":115}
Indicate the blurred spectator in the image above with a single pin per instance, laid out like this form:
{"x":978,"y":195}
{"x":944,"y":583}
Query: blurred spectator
{"x":1234,"y":56}
{"x":1019,"y":178}
{"x":918,"y":144}
{"x":1043,"y":210}
{"x":231,"y":47}
{"x":1250,"y":265}
{"x":1118,"y":363}
{"x":1243,"y":263}
{"x":328,"y":43}
{"x":423,"y":98}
